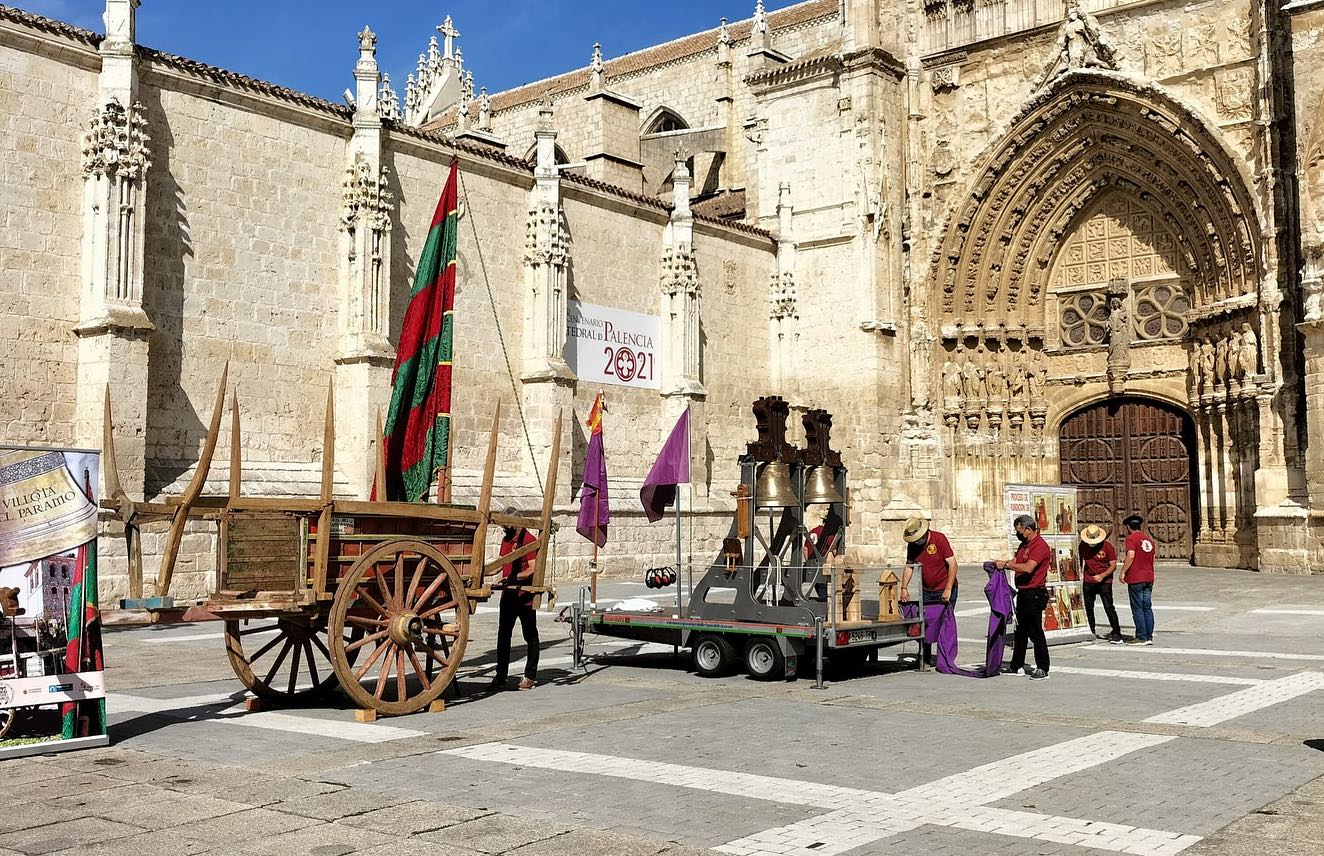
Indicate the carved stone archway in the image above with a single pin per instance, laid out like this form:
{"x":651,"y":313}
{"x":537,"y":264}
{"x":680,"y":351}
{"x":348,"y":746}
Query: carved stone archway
{"x":1098,"y":144}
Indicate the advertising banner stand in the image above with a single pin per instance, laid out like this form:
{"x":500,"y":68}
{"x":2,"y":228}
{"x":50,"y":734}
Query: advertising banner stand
{"x":52,"y":679}
{"x":1054,"y":509}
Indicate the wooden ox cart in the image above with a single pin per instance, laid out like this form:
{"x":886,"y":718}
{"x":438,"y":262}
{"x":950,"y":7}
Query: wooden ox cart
{"x":374,"y":596}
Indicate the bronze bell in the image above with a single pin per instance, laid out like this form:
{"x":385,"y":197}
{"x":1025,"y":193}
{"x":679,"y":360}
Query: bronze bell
{"x":773,"y":487}
{"x":820,"y":487}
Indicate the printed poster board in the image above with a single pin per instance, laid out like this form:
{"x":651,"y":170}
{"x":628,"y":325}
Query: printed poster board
{"x":1054,"y":508}
{"x":605,"y":345}
{"x":52,"y":687}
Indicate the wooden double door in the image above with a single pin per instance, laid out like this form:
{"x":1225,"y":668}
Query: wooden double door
{"x":1133,"y":456}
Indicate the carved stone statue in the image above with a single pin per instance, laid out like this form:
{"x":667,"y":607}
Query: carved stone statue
{"x":972,"y":384}
{"x":997,"y":386}
{"x":1038,"y":379}
{"x":951,"y":385}
{"x":1207,"y":365}
{"x":1119,"y":343}
{"x":1016,"y":384}
{"x":1235,"y":372}
{"x":1250,"y":350}
{"x":1220,"y":362}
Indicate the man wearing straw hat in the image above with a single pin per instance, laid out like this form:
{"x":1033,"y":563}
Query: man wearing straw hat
{"x":1099,"y":559}
{"x":931,"y":550}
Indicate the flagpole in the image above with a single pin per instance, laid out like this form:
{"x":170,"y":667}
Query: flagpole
{"x":680,"y":609}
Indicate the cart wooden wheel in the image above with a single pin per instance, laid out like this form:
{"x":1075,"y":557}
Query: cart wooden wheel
{"x":292,"y":665}
{"x":7,"y":717}
{"x":410,"y":601}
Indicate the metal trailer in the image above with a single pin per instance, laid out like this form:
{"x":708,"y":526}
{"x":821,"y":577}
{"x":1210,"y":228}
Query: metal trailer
{"x":770,"y":598}
{"x":767,"y":651}
{"x":373,"y":596}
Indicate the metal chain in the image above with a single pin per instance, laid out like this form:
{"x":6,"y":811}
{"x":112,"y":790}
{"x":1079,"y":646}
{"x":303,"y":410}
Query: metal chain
{"x":510,"y":371}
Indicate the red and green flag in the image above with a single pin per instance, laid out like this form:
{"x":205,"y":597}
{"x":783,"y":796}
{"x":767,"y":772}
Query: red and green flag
{"x":417,"y":433}
{"x":83,"y":649}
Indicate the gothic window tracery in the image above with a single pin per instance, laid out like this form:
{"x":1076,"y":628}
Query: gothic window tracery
{"x":1160,"y":312}
{"x":1084,"y":320}
{"x":1120,"y":239}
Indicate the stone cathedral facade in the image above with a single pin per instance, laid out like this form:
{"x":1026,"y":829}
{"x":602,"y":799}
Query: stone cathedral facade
{"x":999,"y":240}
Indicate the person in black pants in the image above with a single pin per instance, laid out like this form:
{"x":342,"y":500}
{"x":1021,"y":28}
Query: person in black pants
{"x":1031,"y":569}
{"x":515,"y":606}
{"x":1100,"y":561}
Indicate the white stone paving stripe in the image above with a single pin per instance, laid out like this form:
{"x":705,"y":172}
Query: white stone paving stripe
{"x":1160,"y":648}
{"x":1156,"y":676}
{"x":874,"y":815}
{"x":1266,"y":694}
{"x":1287,"y":612}
{"x":229,"y":713}
{"x":1172,"y":607}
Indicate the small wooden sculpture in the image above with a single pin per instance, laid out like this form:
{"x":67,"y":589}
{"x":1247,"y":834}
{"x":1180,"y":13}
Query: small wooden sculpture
{"x":849,"y":590}
{"x":731,"y":552}
{"x":889,"y":597}
{"x":9,"y":602}
{"x":743,"y":521}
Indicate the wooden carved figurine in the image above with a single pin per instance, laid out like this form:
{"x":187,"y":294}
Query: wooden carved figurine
{"x":742,"y":511}
{"x":889,"y":597}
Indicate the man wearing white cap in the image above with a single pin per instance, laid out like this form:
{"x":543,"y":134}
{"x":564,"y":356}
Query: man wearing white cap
{"x":1099,"y":559}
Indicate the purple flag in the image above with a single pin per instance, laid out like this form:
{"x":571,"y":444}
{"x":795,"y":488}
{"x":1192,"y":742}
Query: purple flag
{"x":671,"y":468}
{"x":940,"y":627}
{"x":594,"y":509}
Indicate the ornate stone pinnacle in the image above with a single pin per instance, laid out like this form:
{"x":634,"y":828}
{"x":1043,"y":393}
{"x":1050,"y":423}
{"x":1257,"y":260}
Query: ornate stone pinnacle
{"x":597,"y":64}
{"x":724,"y":33}
{"x":760,"y":18}
{"x":367,"y":39}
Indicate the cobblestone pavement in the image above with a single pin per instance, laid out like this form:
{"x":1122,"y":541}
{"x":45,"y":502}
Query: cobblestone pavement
{"x":1207,"y":743}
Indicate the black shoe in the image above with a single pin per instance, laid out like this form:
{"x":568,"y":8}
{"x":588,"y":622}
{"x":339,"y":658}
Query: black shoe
{"x":1038,"y":675}
{"x":1008,"y":670}
{"x":497,"y":685}
{"x":1116,"y":638}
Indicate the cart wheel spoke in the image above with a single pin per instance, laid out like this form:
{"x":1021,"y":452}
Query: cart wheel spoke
{"x":433,"y":630}
{"x":379,"y":578}
{"x":428,"y":613}
{"x":363,"y":670}
{"x":401,"y":682}
{"x":387,"y":662}
{"x":250,"y":631}
{"x":416,"y":581}
{"x":321,"y":647}
{"x":362,"y":591}
{"x":294,"y":667}
{"x":280,"y":658}
{"x":364,"y":621}
{"x":431,"y":590}
{"x":365,"y":640}
{"x":398,"y":595}
{"x":257,"y":655}
{"x":312,"y":662}
{"x":424,"y":675}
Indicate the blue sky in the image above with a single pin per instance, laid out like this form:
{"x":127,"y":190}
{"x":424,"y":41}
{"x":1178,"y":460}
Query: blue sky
{"x":309,"y":45}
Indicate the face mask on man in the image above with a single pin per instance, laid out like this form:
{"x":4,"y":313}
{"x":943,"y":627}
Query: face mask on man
{"x":510,"y":533}
{"x":1022,"y":536}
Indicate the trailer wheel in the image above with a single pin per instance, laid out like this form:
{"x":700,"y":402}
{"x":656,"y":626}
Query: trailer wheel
{"x":764,"y":660}
{"x":713,"y":656}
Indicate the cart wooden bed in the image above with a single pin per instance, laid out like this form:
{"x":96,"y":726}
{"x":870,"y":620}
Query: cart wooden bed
{"x":375,"y":597}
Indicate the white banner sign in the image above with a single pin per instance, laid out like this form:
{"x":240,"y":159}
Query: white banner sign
{"x":607,"y":345}
{"x":51,"y":689}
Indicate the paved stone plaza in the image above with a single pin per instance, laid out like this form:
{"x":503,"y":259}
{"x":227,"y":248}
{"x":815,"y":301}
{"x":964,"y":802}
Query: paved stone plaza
{"x":1207,"y":743}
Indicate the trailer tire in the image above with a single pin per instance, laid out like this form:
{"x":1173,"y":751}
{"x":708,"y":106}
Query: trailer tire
{"x":713,"y":655}
{"x":764,"y":660}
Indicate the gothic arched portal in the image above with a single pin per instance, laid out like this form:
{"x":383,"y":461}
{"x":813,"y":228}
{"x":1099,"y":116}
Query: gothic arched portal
{"x":1129,"y":456}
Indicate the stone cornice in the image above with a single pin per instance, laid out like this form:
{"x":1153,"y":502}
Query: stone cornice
{"x":797,"y":72}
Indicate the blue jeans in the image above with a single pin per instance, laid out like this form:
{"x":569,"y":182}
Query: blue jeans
{"x":1142,"y":609}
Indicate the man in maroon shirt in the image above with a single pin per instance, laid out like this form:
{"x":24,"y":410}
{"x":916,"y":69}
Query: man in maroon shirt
{"x":1031,"y":569}
{"x":931,"y":550}
{"x":515,"y":606}
{"x":1138,"y":574}
{"x":1099,"y":558}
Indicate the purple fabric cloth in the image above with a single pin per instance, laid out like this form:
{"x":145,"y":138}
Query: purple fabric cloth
{"x":594,"y":509}
{"x":671,"y":468}
{"x":940,"y":628}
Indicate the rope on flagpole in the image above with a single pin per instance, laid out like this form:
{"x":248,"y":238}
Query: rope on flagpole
{"x":510,"y":371}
